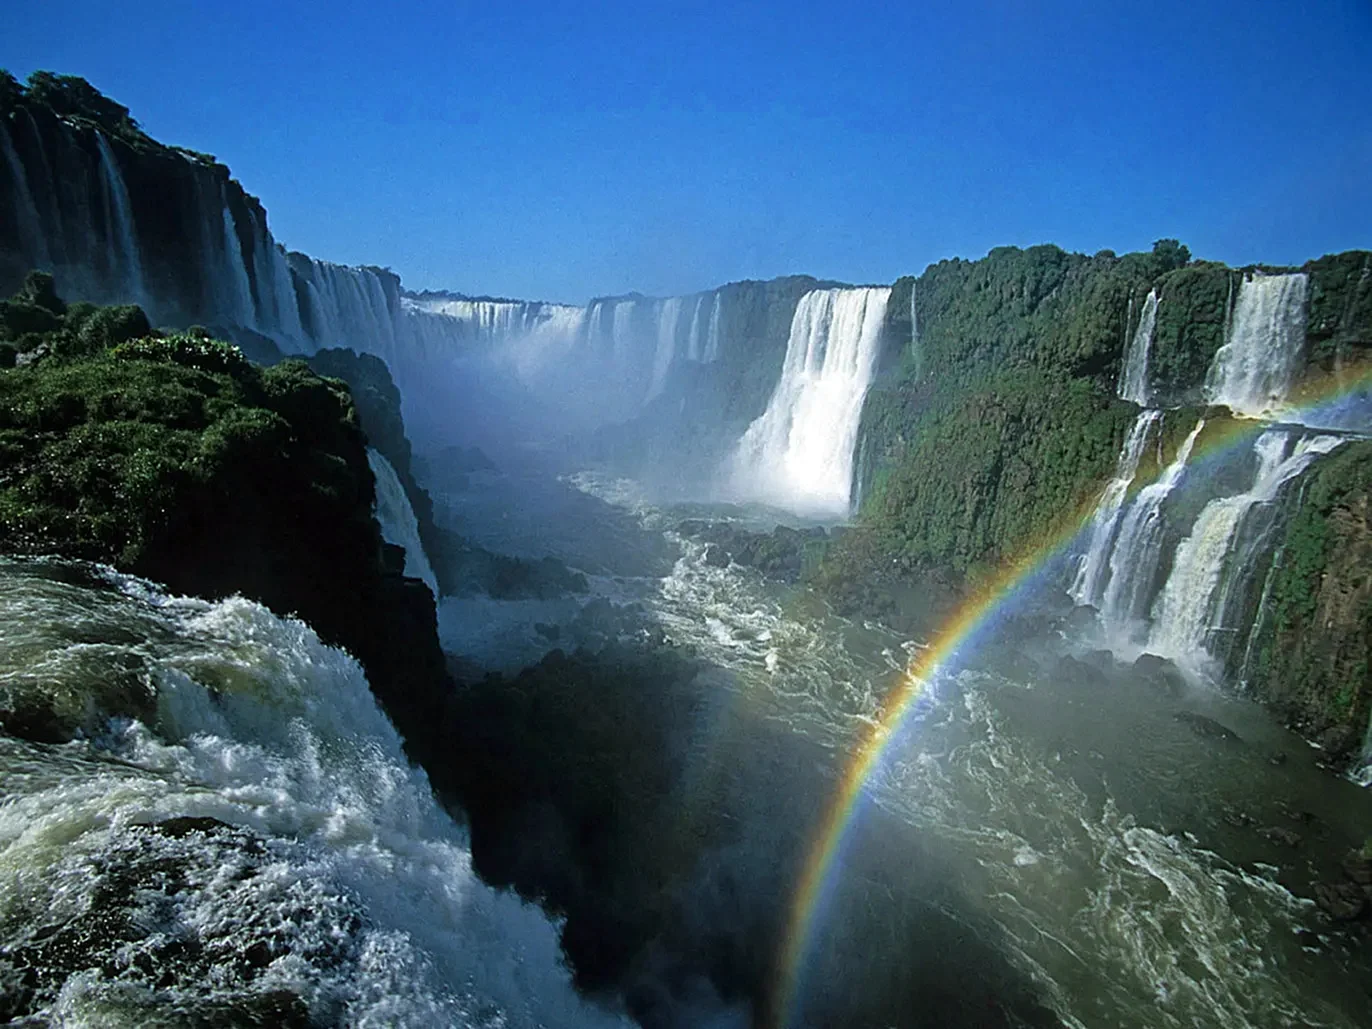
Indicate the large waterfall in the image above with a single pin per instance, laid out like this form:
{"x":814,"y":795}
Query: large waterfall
{"x":399,"y":525}
{"x":239,"y":837}
{"x":799,"y":453}
{"x":1185,"y":615}
{"x":1254,"y":369}
{"x":1134,"y":375}
{"x":1091,"y":572}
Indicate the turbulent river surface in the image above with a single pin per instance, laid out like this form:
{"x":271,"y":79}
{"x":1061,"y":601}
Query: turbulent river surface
{"x":244,"y":844}
{"x":1143,"y":845}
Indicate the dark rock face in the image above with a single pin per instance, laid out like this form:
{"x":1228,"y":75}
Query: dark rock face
{"x":176,"y":460}
{"x":1207,"y":728}
{"x":1343,"y":902}
{"x":377,"y":401}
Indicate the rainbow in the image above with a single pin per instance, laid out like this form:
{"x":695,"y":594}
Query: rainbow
{"x":971,"y":622}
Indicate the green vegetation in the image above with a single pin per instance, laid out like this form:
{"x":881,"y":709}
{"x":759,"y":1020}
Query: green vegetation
{"x":1313,"y":662}
{"x":1340,"y":319}
{"x":73,"y":99}
{"x":1192,"y":310}
{"x":175,"y":458}
{"x":998,"y":422}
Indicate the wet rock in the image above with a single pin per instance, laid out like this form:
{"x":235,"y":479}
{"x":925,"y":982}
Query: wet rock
{"x":1080,"y":620}
{"x":1102,"y":659}
{"x":1076,"y":673}
{"x":716,"y":556}
{"x":1357,"y":865}
{"x":1277,"y":834}
{"x":1338,"y":742}
{"x":1161,"y":674}
{"x":1342,"y":902}
{"x":1206,"y":727}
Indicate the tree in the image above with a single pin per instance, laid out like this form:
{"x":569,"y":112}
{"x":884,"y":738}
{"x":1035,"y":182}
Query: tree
{"x":1170,"y":254}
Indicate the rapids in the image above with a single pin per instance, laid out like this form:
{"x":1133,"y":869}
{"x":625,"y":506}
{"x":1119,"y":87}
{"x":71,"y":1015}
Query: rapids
{"x":233,"y":833}
{"x":1126,"y":832}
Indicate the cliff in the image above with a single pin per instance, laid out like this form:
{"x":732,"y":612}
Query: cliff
{"x":174,"y":458}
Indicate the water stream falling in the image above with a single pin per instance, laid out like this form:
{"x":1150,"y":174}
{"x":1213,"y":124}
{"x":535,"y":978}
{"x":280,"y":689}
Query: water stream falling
{"x":1185,"y":613}
{"x":1253,"y":370}
{"x":799,"y":453}
{"x":245,"y":843}
{"x":1134,"y":375}
{"x":1137,"y":551}
{"x":1091,"y":572}
{"x":122,"y":237}
{"x":669,"y":313}
{"x":398,"y":522}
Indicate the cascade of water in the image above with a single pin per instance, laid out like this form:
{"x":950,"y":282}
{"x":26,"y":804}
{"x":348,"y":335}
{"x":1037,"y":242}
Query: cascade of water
{"x":693,"y":337}
{"x":1252,"y":372}
{"x":288,"y":325}
{"x":1091,"y":572}
{"x":1138,"y":545}
{"x":668,"y":314}
{"x":399,"y":525}
{"x":712,"y":336}
{"x":1134,"y":375}
{"x":32,"y":237}
{"x":622,"y":331}
{"x":121,"y":235}
{"x":1183,"y":614}
{"x":595,"y":328}
{"x":799,"y":453}
{"x":234,"y":276}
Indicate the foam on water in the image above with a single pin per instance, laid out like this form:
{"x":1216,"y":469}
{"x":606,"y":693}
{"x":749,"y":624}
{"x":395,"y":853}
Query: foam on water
{"x":335,"y":857}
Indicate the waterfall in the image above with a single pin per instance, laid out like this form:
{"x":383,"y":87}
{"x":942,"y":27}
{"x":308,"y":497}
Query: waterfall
{"x":622,"y":331}
{"x":1185,"y":613}
{"x":121,"y":236}
{"x":1134,"y":375}
{"x":25,"y":210}
{"x":799,"y":453}
{"x":1138,"y":545}
{"x":669,"y":313}
{"x":1253,"y":370}
{"x":712,"y":335}
{"x":1086,"y":589}
{"x":234,"y":276}
{"x":693,"y":337}
{"x":398,"y":522}
{"x":313,"y":839}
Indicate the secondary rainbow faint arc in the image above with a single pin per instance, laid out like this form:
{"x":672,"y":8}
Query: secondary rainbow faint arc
{"x":960,"y":629}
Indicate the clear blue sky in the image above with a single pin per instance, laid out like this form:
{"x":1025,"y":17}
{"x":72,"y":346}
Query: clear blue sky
{"x":562,"y":150}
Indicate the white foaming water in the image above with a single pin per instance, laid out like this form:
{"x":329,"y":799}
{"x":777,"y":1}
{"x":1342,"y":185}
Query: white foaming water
{"x":1183,"y":615}
{"x":234,"y":279}
{"x":123,"y":238}
{"x":799,"y":453}
{"x":622,"y":330}
{"x":1134,"y":375}
{"x":1086,"y":588}
{"x":693,"y":336}
{"x":669,"y":313}
{"x":1253,"y":370}
{"x":712,"y":336}
{"x":336,"y":879}
{"x":398,"y":522}
{"x":1121,"y":922}
{"x":1137,"y":549}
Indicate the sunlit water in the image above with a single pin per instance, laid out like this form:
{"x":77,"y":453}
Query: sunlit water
{"x":1122,"y":850}
{"x":320,"y":884}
